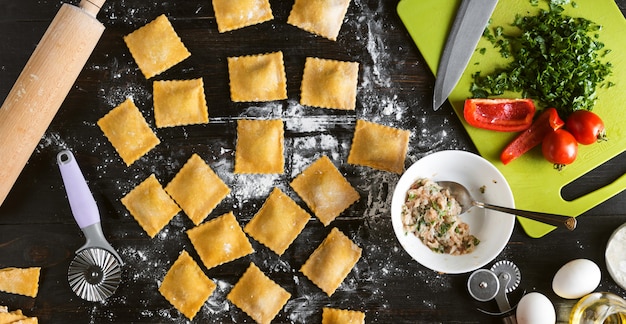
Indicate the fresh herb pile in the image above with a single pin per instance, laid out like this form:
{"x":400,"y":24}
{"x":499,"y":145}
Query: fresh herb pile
{"x":555,"y":59}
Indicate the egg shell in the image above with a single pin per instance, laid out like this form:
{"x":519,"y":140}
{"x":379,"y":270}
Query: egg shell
{"x":535,"y":308}
{"x":576,"y":279}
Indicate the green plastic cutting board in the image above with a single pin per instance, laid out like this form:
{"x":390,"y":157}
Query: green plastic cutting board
{"x":534,"y":182}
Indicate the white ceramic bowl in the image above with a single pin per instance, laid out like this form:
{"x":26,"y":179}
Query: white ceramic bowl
{"x":485,"y":183}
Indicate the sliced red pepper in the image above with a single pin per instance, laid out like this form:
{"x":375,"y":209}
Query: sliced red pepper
{"x":548,"y":121}
{"x":503,"y":115}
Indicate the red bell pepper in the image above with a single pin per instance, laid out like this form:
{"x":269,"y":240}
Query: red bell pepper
{"x":548,"y":121}
{"x":503,"y":115}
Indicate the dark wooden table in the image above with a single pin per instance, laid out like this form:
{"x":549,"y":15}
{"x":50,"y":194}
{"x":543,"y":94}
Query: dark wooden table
{"x":395,"y":87}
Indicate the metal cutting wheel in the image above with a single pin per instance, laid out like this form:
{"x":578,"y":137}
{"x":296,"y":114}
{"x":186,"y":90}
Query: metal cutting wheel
{"x":485,"y":285}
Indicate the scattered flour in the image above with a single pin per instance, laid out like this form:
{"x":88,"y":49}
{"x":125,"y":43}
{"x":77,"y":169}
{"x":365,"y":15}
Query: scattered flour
{"x":311,"y":134}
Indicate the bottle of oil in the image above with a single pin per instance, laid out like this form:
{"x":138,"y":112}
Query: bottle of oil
{"x":599,"y":308}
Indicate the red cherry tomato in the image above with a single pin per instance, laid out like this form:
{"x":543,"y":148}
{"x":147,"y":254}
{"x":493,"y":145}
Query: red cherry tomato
{"x":586,"y":127}
{"x":560,"y":147}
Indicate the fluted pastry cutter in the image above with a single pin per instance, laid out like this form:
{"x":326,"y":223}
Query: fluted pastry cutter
{"x":95,"y":272}
{"x":485,"y":285}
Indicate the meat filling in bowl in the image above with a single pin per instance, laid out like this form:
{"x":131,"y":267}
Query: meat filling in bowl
{"x":432,"y":214}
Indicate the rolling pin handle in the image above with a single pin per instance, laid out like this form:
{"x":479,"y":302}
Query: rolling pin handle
{"x":92,"y":7}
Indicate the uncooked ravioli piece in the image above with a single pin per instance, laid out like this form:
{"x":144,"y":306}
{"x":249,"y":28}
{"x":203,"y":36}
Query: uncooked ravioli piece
{"x":231,"y":15}
{"x":186,"y":286}
{"x":378,"y":146}
{"x":220,"y":240}
{"x":329,"y":84}
{"x":258,"y":296}
{"x":156,"y":47}
{"x":150,"y":205}
{"x":259,"y":147}
{"x":197,"y":189}
{"x":129,"y":133}
{"x":279,"y":221}
{"x":342,"y":316}
{"x":257,"y":78}
{"x":15,"y":317}
{"x":325,"y":190}
{"x":332,"y":261}
{"x":321,"y":17}
{"x":179,"y":103}
{"x":21,"y":281}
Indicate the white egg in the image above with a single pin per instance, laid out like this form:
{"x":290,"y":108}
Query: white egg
{"x":576,"y":279}
{"x":535,"y":308}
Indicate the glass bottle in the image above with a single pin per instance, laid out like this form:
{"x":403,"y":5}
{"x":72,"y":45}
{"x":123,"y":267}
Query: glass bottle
{"x":598,"y":308}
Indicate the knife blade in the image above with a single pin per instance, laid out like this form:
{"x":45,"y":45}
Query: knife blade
{"x":468,"y":26}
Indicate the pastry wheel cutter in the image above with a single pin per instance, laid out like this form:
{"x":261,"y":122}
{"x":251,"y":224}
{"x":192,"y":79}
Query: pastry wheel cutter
{"x":485,"y":285}
{"x":95,"y":272}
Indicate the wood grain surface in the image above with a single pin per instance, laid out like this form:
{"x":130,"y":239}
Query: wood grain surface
{"x":395,"y":89}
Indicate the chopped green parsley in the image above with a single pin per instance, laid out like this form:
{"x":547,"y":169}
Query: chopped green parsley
{"x":554,"y":59}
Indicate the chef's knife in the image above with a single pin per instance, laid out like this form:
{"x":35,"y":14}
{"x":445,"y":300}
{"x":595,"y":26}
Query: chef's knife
{"x":470,"y":22}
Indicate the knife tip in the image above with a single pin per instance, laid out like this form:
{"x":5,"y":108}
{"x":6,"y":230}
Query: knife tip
{"x":437,"y":103}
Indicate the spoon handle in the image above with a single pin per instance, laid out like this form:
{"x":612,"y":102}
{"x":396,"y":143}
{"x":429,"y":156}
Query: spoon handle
{"x":552,"y":219}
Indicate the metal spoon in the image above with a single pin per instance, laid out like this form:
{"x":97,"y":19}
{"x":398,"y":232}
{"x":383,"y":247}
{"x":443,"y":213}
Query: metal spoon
{"x":463,"y":196}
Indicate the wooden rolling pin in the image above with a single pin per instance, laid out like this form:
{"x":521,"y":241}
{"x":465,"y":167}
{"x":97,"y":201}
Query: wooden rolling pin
{"x":43,"y":85}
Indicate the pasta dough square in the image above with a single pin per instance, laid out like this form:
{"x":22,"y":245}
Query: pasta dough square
{"x":15,"y":317}
{"x":378,"y":146}
{"x":21,"y":281}
{"x":231,"y":15}
{"x":257,"y":77}
{"x":279,"y":221}
{"x":260,"y":146}
{"x":129,"y":133}
{"x":156,"y":47}
{"x":329,"y":84}
{"x":179,"y":102}
{"x":220,"y":240}
{"x":197,"y":189}
{"x":331,"y":262}
{"x":185,"y":286}
{"x":324,"y":189}
{"x":258,"y":296}
{"x":342,"y":316}
{"x":321,"y":17}
{"x":7,"y":317}
{"x":150,"y":205}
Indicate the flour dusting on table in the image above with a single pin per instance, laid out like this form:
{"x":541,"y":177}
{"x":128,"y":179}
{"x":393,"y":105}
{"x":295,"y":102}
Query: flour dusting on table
{"x":310,"y":133}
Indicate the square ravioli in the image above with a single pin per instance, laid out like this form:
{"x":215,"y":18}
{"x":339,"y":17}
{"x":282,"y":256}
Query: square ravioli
{"x":257,"y":77}
{"x":331,"y":262}
{"x":220,"y":240}
{"x":321,"y":17}
{"x":197,"y":189}
{"x":179,"y":103}
{"x":258,"y":296}
{"x":129,"y":133}
{"x":378,"y":146}
{"x":259,"y":146}
{"x":150,"y":205}
{"x":231,"y":15}
{"x":156,"y":47}
{"x":325,"y":190}
{"x":279,"y":221}
{"x":342,"y":316}
{"x":185,"y":286}
{"x":15,"y":317}
{"x":21,"y":281}
{"x":329,"y":84}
